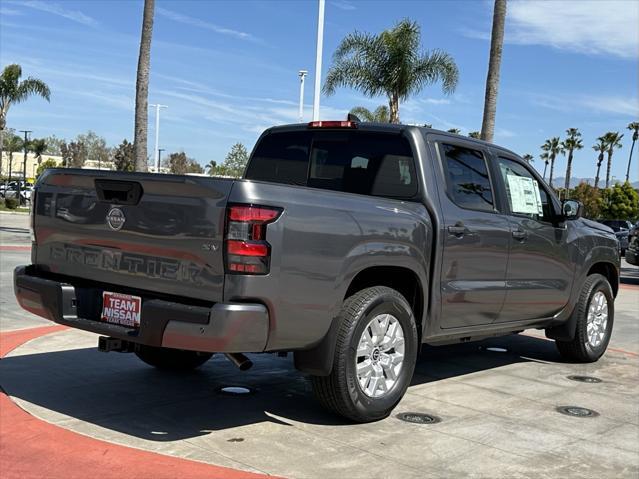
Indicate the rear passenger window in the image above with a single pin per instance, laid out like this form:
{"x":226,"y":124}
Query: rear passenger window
{"x":525,"y":196}
{"x":350,"y":161}
{"x":467,"y":176}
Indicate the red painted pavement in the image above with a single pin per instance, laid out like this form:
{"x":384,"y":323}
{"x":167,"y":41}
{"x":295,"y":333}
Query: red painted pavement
{"x":14,"y":248}
{"x":32,"y":448}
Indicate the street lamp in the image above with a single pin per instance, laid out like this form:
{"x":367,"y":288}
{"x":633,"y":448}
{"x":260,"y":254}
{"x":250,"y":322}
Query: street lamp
{"x":24,"y":165}
{"x":157,"y":132}
{"x":302,"y":74}
{"x":160,"y":150}
{"x":318,"y":61}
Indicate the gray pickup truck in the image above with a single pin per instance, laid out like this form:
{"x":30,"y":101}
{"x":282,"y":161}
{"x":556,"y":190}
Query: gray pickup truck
{"x":347,"y":244}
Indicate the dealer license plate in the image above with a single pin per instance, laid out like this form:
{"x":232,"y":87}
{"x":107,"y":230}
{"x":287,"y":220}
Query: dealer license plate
{"x":122,"y":309}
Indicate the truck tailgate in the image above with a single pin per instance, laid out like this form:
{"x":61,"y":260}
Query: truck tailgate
{"x":159,"y":233}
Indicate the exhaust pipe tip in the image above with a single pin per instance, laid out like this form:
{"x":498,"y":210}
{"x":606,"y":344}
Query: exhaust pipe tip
{"x":238,"y":359}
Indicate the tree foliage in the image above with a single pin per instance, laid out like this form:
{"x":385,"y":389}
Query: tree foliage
{"x":590,"y":197}
{"x":54,"y":145}
{"x":620,"y":202}
{"x":235,"y":161}
{"x":390,"y":64}
{"x":50,"y":163}
{"x":74,"y":154}
{"x":124,"y":156}
{"x":474,"y":134}
{"x":97,"y":149}
{"x":379,"y":115}
{"x":38,"y":146}
{"x":180,"y":164}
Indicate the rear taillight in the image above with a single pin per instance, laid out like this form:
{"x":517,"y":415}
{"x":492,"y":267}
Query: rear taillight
{"x":247,"y":251}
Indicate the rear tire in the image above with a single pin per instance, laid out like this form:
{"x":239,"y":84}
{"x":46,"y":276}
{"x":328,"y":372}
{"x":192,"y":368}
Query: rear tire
{"x":595,"y":313}
{"x":171,"y":359}
{"x":374,"y":358}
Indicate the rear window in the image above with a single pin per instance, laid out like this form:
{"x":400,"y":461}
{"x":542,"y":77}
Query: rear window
{"x":350,"y":161}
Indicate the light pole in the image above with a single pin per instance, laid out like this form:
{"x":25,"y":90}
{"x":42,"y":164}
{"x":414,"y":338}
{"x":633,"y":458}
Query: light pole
{"x":25,"y":145}
{"x":302,"y":74}
{"x":160,"y":150}
{"x":157,"y":132}
{"x":318,"y":61}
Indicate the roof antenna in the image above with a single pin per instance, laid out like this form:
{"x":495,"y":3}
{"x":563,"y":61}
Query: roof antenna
{"x":351,"y":117}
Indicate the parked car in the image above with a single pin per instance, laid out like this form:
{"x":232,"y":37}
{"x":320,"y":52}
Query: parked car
{"x":25,"y":193}
{"x":632,"y":253}
{"x":621,"y":229}
{"x":348,"y":244}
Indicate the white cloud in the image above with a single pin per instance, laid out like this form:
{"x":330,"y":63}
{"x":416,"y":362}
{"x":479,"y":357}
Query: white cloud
{"x":616,"y":104}
{"x":596,"y":27}
{"x":9,"y":11}
{"x":609,"y":27}
{"x":196,"y":22}
{"x":57,"y":9}
{"x":436,"y":101}
{"x":344,"y":5}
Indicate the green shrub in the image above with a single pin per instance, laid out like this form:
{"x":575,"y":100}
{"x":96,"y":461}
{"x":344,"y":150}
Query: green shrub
{"x":11,"y":203}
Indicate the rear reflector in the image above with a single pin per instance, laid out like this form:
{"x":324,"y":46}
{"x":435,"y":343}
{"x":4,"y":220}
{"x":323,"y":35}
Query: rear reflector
{"x":244,"y":248}
{"x":332,"y":124}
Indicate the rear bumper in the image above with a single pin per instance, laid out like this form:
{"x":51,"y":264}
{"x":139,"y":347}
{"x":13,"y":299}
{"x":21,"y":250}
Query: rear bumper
{"x":223,"y":327}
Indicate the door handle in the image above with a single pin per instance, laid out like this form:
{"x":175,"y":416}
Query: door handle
{"x":520,"y":235}
{"x":457,"y":230}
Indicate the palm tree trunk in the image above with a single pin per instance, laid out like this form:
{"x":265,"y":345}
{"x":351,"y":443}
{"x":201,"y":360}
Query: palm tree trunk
{"x":545,"y":167}
{"x":494,"y":63}
{"x":568,"y":171}
{"x":598,"y":168}
{"x":142,"y":88}
{"x":552,"y":169}
{"x":393,"y":106}
{"x":632,"y":147}
{"x":608,"y":167}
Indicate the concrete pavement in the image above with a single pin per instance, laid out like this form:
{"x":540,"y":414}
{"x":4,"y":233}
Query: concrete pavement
{"x":497,"y":409}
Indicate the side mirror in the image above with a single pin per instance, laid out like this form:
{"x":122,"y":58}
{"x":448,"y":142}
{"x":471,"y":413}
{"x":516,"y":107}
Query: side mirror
{"x":572,"y":209}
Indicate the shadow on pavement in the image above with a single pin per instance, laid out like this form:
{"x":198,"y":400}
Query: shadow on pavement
{"x":120,"y":393}
{"x":629,"y":275}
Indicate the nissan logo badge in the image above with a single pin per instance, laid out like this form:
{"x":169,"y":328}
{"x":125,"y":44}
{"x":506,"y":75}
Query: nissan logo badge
{"x":115,"y":219}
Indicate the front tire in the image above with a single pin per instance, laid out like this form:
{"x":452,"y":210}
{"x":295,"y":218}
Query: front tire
{"x":595,"y":313}
{"x":374,"y":358}
{"x":171,"y":359}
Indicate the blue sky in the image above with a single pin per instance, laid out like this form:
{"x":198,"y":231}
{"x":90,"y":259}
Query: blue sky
{"x":228,"y":69}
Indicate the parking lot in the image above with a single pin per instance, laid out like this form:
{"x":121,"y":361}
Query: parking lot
{"x":494,"y":405}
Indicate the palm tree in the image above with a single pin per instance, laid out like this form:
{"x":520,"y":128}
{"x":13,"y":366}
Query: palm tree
{"x":38,"y":147}
{"x":12,"y":90}
{"x":601,"y":148}
{"x":546,"y":157}
{"x":390,"y":64}
{"x":528,"y":158}
{"x":570,"y":144}
{"x":634,"y":127}
{"x":142,"y":87}
{"x":211,"y":166}
{"x":474,"y":134}
{"x":553,"y":147}
{"x":428,"y":125}
{"x":613,"y":140}
{"x":12,"y":144}
{"x":380,"y":115}
{"x":456,"y":131}
{"x":494,"y":63}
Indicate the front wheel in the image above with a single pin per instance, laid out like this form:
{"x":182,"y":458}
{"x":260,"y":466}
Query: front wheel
{"x":171,"y":359}
{"x":374,"y":358}
{"x":595,"y":313}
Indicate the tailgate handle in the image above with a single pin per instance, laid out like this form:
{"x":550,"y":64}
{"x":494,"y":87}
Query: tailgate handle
{"x":119,"y":192}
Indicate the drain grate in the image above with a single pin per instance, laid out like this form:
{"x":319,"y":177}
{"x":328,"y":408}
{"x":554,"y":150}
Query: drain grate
{"x":585,"y":379}
{"x":236,"y":390}
{"x":418,"y":418}
{"x":577,"y":411}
